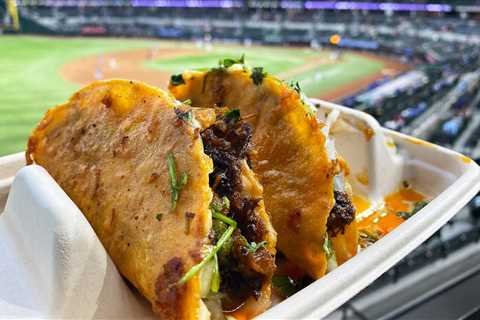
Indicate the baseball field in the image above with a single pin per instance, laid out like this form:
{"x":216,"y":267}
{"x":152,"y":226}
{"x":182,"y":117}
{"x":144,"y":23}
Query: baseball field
{"x":37,"y":73}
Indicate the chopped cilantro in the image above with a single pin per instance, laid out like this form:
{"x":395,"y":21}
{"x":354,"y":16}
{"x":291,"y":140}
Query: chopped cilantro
{"x":327,"y":247}
{"x":226,"y":203}
{"x":296,"y":86}
{"x":175,"y":185}
{"x":285,"y":285}
{"x":228,"y":62}
{"x":258,"y":75}
{"x":219,"y":228}
{"x":404,"y":214}
{"x":159,"y":216}
{"x":232,"y":115}
{"x":215,"y":282}
{"x":220,"y":206}
{"x":224,"y":241}
{"x":253,"y":246}
{"x":186,"y":116}
{"x":224,"y":218}
{"x":196,"y":268}
{"x":177,"y":79}
{"x":308,"y":105}
{"x":417,"y":207}
{"x":369,"y":237}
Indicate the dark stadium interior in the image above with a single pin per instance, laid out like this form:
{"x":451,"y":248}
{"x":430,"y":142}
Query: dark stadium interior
{"x":437,"y":99}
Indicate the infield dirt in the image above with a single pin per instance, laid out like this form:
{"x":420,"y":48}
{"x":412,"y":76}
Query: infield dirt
{"x":129,"y":64}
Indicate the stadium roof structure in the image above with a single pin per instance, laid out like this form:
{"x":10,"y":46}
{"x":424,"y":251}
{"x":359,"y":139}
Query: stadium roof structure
{"x":284,"y":4}
{"x":385,"y":6}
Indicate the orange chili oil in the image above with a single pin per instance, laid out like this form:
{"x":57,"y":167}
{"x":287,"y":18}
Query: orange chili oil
{"x":383,"y":221}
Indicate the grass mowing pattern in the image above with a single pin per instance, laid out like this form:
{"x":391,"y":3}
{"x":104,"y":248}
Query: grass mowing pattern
{"x":30,"y":81}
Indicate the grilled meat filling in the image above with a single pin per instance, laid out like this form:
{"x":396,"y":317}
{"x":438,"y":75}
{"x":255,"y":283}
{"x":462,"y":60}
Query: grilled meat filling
{"x":227,"y":143}
{"x":243,"y":269}
{"x":342,"y":214}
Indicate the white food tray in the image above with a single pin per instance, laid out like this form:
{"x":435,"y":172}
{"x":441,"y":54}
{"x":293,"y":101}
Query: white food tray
{"x":56,"y":267}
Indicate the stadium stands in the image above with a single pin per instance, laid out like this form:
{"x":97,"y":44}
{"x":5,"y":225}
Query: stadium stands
{"x":241,"y":21}
{"x":438,"y":100}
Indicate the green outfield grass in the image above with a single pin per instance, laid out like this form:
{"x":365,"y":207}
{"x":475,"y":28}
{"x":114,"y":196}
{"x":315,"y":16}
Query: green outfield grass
{"x":30,"y":82}
{"x":275,"y":60}
{"x":315,"y":81}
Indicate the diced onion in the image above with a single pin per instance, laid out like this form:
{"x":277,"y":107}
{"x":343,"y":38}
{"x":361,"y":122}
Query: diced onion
{"x":332,"y":263}
{"x":339,"y":182}
{"x":204,"y":313}
{"x":214,"y":305}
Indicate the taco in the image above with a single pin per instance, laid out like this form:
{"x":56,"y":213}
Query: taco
{"x":169,"y":193}
{"x":293,"y":157}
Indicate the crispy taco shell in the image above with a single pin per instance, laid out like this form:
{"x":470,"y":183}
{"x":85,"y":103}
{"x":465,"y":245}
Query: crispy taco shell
{"x":290,"y":155}
{"x":107,"y":148}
